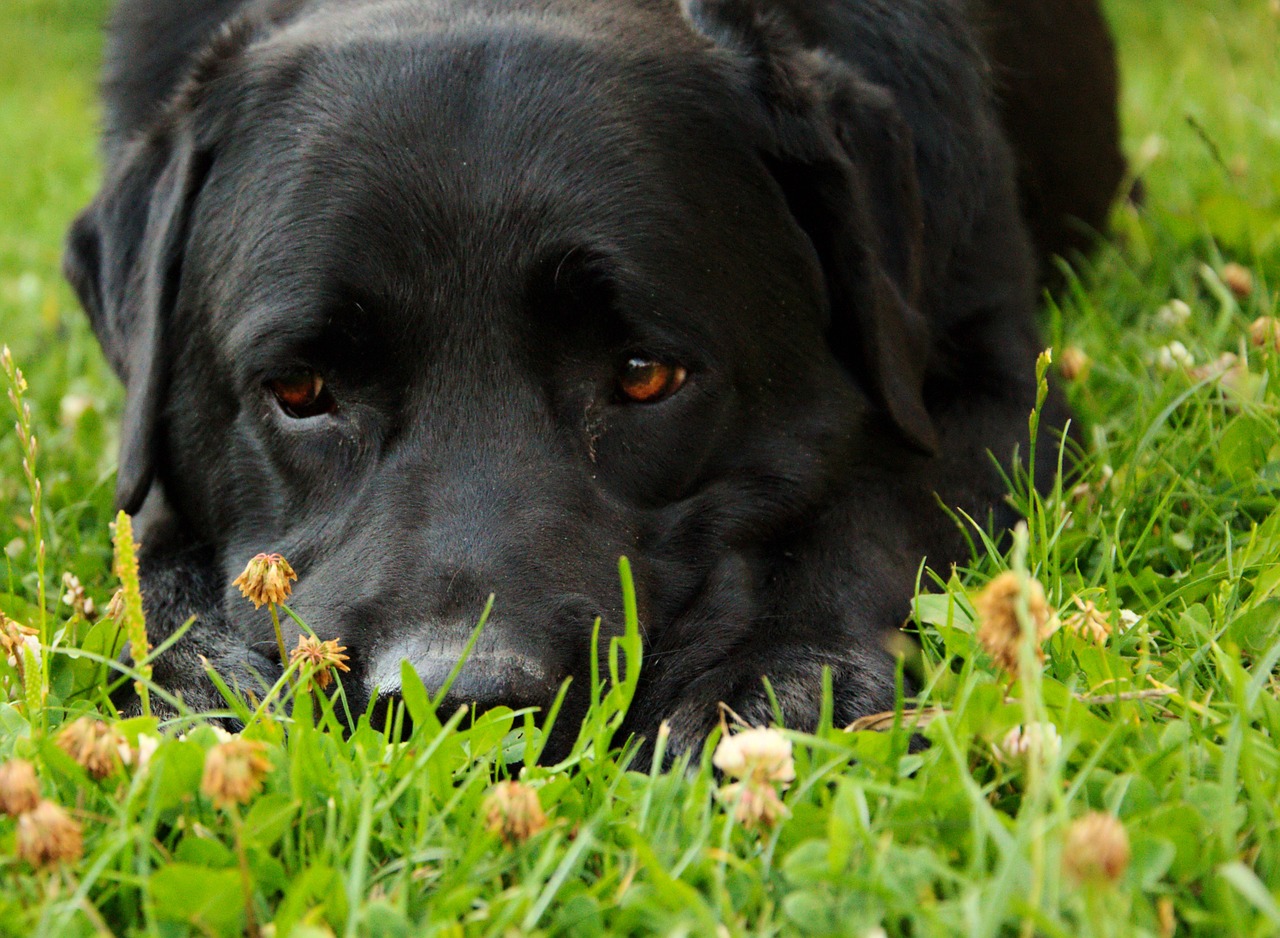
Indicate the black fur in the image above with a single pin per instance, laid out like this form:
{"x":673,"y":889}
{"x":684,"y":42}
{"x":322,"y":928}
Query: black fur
{"x":467,"y":215}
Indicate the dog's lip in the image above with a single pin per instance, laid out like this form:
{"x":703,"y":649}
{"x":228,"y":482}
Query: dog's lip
{"x":488,"y":678}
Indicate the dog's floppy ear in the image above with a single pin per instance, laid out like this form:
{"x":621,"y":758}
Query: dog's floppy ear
{"x":123,"y":258}
{"x":845,"y":159}
{"x":124,"y":253}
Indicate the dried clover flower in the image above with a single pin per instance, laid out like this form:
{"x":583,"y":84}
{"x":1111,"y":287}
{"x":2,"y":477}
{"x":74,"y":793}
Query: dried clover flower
{"x":756,"y":807}
{"x":1096,"y":849}
{"x":19,"y":787}
{"x":1035,"y":739}
{"x":13,"y":637}
{"x":1089,"y":622}
{"x":1239,"y":280}
{"x":999,"y":630}
{"x":93,"y":744}
{"x":234,"y":771}
{"x":1264,"y":333}
{"x":1073,"y":363}
{"x":265,"y":580}
{"x":756,"y":754}
{"x":115,"y":608}
{"x":513,"y":812}
{"x":324,"y":656}
{"x":47,"y":836}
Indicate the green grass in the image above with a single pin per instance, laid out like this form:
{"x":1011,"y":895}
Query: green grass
{"x":366,"y":837}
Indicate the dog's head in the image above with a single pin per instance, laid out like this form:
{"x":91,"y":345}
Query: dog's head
{"x":475,"y":307}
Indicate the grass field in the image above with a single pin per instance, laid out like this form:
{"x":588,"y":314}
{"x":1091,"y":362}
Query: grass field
{"x":1170,"y":725}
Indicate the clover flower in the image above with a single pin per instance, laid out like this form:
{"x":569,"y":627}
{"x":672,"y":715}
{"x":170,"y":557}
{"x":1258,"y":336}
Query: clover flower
{"x":1038,"y":740}
{"x":1239,"y":280}
{"x":265,"y":580}
{"x":48,"y":836}
{"x":325,"y":657}
{"x":1073,"y":363}
{"x":1096,"y":849}
{"x":75,"y":597}
{"x":234,"y":771}
{"x":760,"y":760}
{"x":999,"y":630}
{"x":756,"y":754}
{"x":93,"y":744}
{"x":1089,"y":622}
{"x":1264,"y":333}
{"x":513,"y":812}
{"x":14,"y":637}
{"x":19,"y":787}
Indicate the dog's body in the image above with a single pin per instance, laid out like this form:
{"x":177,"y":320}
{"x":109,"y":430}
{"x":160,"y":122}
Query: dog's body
{"x":440,"y":298}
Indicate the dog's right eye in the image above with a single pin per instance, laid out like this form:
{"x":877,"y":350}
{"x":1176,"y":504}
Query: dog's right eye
{"x":302,"y":394}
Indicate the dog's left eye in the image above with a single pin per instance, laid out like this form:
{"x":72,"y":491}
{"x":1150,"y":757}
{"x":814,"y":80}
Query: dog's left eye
{"x":302,"y":394}
{"x":645,"y":381}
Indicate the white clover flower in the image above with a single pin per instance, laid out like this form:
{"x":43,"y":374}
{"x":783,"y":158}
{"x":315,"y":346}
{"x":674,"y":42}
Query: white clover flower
{"x":1174,"y":357}
{"x":1173,"y":314}
{"x":1021,"y":741}
{"x":757,"y":753}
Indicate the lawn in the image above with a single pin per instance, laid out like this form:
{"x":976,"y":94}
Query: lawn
{"x":1157,"y":709}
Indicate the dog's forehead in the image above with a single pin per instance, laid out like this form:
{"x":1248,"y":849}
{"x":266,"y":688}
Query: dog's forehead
{"x":406,"y":161}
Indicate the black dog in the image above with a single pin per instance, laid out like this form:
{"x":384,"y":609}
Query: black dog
{"x":441,"y":298}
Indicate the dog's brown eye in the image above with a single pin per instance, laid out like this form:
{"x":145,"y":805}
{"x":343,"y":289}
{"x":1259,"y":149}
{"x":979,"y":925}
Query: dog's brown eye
{"x":302,"y":394}
{"x":645,"y":381}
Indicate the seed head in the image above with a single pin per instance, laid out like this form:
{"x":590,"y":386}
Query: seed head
{"x":756,"y":755}
{"x":1073,"y":362}
{"x":999,"y":630}
{"x":47,"y":836}
{"x":19,"y":787}
{"x":513,"y":812}
{"x":1239,"y":280}
{"x":234,"y":771}
{"x":93,"y":744}
{"x":265,"y":580}
{"x":756,"y":807}
{"x":324,"y":657}
{"x":1264,"y":333}
{"x":1096,"y":849}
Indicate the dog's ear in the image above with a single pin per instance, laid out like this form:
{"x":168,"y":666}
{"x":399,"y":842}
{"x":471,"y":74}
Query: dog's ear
{"x":123,"y":258}
{"x":845,"y":159}
{"x":124,"y":253}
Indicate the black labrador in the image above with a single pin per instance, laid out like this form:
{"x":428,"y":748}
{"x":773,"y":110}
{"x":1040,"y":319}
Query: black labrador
{"x":444,"y":298}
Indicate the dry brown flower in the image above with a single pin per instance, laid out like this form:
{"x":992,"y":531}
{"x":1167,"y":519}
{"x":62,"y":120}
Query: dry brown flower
{"x":1096,"y":849}
{"x":324,"y":656}
{"x":234,"y":771}
{"x":756,"y":807}
{"x":513,"y":812}
{"x":999,"y":630}
{"x":1239,"y":280}
{"x":93,"y":744}
{"x":19,"y":787}
{"x":115,"y":608}
{"x":1264,"y":333}
{"x":1073,"y":363}
{"x":265,"y":580}
{"x":757,"y":755}
{"x":47,"y":836}
{"x":1089,"y":622}
{"x":13,"y":635}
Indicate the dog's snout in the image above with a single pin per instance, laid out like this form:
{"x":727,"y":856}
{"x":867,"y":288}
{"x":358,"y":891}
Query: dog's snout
{"x":489,"y":677}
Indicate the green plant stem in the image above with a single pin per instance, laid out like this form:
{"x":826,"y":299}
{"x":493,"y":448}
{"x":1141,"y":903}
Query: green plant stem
{"x":275,"y":621}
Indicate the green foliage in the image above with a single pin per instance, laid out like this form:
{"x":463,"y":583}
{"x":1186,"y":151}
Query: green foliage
{"x":1170,"y":528}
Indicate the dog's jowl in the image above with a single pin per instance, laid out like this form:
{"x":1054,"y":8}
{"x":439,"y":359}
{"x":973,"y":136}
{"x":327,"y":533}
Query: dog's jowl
{"x":445,"y":298}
